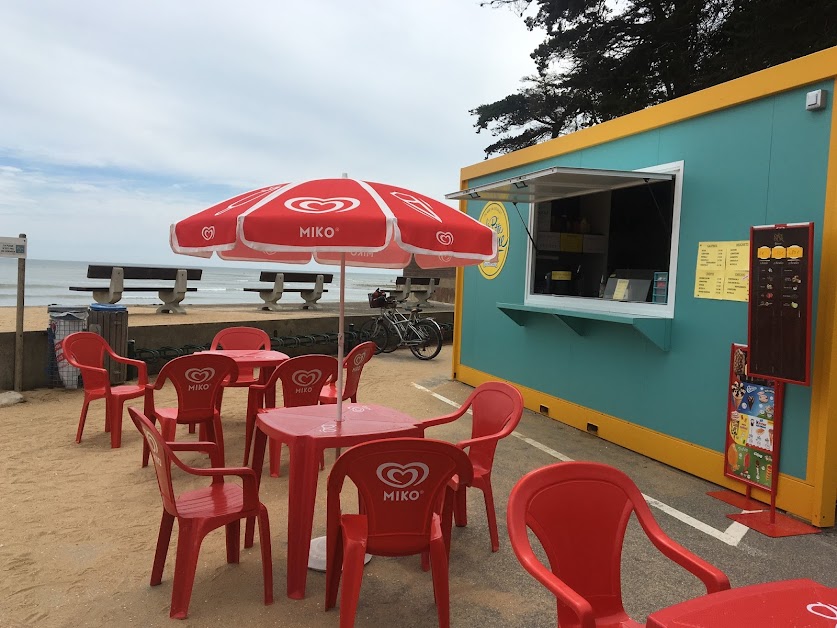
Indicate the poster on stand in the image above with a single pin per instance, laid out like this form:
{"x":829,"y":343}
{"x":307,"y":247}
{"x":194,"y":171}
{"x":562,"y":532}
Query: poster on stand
{"x":754,"y":422}
{"x":779,"y":311}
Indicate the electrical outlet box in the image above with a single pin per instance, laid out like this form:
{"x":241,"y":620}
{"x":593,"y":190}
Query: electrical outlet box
{"x":815,"y":100}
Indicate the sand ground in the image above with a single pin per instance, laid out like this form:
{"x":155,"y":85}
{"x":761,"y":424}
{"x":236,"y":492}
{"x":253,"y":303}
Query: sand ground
{"x":79,"y":526}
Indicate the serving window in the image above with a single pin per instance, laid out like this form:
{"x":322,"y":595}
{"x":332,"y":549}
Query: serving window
{"x":599,"y":240}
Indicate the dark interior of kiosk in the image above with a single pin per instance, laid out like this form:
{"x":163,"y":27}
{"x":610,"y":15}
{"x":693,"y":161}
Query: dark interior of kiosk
{"x":586,"y":244}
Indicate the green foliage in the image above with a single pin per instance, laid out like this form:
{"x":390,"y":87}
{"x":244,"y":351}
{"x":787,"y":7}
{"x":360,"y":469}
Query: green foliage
{"x":601,"y":60}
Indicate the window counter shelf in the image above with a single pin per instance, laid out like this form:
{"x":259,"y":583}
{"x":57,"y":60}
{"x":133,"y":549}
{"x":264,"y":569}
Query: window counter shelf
{"x":655,"y":328}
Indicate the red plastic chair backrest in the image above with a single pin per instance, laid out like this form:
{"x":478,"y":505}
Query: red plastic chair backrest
{"x":401,"y":482}
{"x":161,"y":455}
{"x":303,"y":378}
{"x":497,"y":408}
{"x":86,"y":351}
{"x":354,"y":363}
{"x":242,"y":338}
{"x":579,"y":512}
{"x":197,"y":380}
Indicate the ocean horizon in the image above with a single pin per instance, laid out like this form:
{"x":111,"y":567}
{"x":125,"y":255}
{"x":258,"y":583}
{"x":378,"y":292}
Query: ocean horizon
{"x":48,"y":283}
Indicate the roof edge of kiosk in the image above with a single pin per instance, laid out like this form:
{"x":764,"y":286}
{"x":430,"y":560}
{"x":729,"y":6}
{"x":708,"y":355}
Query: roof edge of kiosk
{"x":786,"y":76}
{"x":558,"y":182}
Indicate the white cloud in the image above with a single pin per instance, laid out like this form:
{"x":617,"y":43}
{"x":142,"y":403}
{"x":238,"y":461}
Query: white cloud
{"x":123,"y":112}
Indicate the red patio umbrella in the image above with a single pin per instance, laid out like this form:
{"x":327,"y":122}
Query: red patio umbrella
{"x":336,"y":221}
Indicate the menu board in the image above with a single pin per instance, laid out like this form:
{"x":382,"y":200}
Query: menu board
{"x":722,"y":270}
{"x":754,"y":416}
{"x":779,"y":313}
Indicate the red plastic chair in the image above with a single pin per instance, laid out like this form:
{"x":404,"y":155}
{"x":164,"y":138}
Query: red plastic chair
{"x":579,"y":512}
{"x":200,"y":511}
{"x":353,"y":363}
{"x":198,"y":380}
{"x":496,"y":408}
{"x":86,"y":351}
{"x":242,"y":338}
{"x":402,"y":484}
{"x":302,"y":380}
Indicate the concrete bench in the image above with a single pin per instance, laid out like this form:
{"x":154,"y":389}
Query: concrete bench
{"x":171,"y":294}
{"x":311,"y":293}
{"x":422,"y":288}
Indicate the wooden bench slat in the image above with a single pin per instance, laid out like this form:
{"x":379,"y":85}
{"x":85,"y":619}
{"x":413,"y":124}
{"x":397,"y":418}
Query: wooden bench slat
{"x":295,"y":277}
{"x":98,"y":271}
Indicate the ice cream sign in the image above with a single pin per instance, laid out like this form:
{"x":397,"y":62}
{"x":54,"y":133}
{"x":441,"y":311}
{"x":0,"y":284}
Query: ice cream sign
{"x":13,"y":247}
{"x":494,"y":215}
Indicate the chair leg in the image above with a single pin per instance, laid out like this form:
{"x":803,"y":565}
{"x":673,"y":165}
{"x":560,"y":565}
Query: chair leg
{"x":214,"y":433}
{"x":188,"y":547}
{"x":233,"y":531}
{"x":191,"y":428}
{"x":490,"y":514}
{"x":441,"y":591}
{"x":460,"y":508}
{"x":353,"y":555}
{"x":334,"y":569}
{"x":114,"y":412}
{"x":82,"y":418}
{"x":249,"y":425}
{"x":249,"y":532}
{"x":275,"y":457}
{"x":163,"y":540}
{"x":267,"y":560}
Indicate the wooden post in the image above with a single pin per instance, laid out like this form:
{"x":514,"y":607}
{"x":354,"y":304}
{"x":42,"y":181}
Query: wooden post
{"x":21,"y":283}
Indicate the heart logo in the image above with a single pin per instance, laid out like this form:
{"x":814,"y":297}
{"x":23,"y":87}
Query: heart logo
{"x":445,"y":238}
{"x":208,"y":233}
{"x":402,"y":475}
{"x":313,"y":205}
{"x":830,"y":608}
{"x":360,"y":358}
{"x":199,"y":376}
{"x":417,"y":204}
{"x":306,"y":378}
{"x":445,"y":258}
{"x":252,"y":197}
{"x":152,"y":446}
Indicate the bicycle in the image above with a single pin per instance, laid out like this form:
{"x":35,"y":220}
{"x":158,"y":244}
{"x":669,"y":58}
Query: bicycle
{"x":393,"y":329}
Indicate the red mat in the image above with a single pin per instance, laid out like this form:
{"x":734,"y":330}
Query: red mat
{"x":781,"y":526}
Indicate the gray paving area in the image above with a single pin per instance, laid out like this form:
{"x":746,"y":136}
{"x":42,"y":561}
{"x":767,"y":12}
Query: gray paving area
{"x":650,"y":581}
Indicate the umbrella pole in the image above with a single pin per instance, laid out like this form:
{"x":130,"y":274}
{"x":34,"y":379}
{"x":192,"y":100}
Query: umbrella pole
{"x":340,"y":338}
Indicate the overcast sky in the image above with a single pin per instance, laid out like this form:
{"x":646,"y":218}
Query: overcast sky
{"x":119,"y":118}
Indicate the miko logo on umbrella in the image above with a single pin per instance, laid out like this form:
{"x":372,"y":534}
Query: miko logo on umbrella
{"x":208,"y":233}
{"x":199,"y":378}
{"x":313,"y":205}
{"x":402,"y":477}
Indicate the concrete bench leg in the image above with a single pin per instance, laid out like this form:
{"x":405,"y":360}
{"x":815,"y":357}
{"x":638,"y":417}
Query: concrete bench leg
{"x":311,"y":297}
{"x":114,"y":292}
{"x":171,"y":298}
{"x":270,"y":299}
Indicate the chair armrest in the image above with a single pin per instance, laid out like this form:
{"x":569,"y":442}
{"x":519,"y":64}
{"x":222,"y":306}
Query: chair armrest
{"x":713,"y":578}
{"x":142,"y":367}
{"x":464,"y":444}
{"x":565,"y":595}
{"x":248,"y":481}
{"x":207,"y":447}
{"x":441,"y":420}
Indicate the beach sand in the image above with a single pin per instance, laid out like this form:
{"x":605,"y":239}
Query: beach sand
{"x":80,"y":524}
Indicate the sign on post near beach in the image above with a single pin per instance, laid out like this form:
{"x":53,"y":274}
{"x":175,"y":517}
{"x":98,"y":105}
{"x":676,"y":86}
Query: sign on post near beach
{"x":13,"y":247}
{"x":16,"y":247}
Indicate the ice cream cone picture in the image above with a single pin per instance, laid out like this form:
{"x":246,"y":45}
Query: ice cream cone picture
{"x":770,"y":438}
{"x":732,"y":457}
{"x":737,"y":394}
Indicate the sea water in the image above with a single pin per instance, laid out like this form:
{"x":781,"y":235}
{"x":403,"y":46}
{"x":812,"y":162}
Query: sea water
{"x":48,"y":282}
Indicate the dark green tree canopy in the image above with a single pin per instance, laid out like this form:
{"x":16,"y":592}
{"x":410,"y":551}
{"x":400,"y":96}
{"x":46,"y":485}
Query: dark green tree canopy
{"x":604,"y":59}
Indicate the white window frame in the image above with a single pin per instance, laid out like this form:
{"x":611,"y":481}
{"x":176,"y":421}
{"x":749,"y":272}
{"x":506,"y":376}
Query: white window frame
{"x":590,"y":304}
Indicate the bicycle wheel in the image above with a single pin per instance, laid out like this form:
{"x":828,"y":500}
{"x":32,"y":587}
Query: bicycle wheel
{"x":394,"y":339}
{"x":376,"y":331}
{"x":431,"y":341}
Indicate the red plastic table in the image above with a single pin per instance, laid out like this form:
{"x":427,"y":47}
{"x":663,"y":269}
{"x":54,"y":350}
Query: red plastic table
{"x":796,"y":603}
{"x":261,"y":359}
{"x":308,"y":430}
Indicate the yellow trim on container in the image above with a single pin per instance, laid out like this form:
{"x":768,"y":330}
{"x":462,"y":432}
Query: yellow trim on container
{"x":794,"y":495}
{"x":809,"y":69}
{"x":822,"y":439}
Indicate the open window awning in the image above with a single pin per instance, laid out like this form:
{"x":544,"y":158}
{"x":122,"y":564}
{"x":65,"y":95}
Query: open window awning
{"x":553,"y":183}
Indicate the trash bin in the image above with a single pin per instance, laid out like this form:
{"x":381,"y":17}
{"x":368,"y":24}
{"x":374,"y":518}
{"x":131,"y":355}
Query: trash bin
{"x":111,"y":323}
{"x":63,"y":321}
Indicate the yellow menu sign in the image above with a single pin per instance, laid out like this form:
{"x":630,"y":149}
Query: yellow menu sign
{"x":723,"y":270}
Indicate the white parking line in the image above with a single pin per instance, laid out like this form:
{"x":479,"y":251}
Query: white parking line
{"x":731,"y":536}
